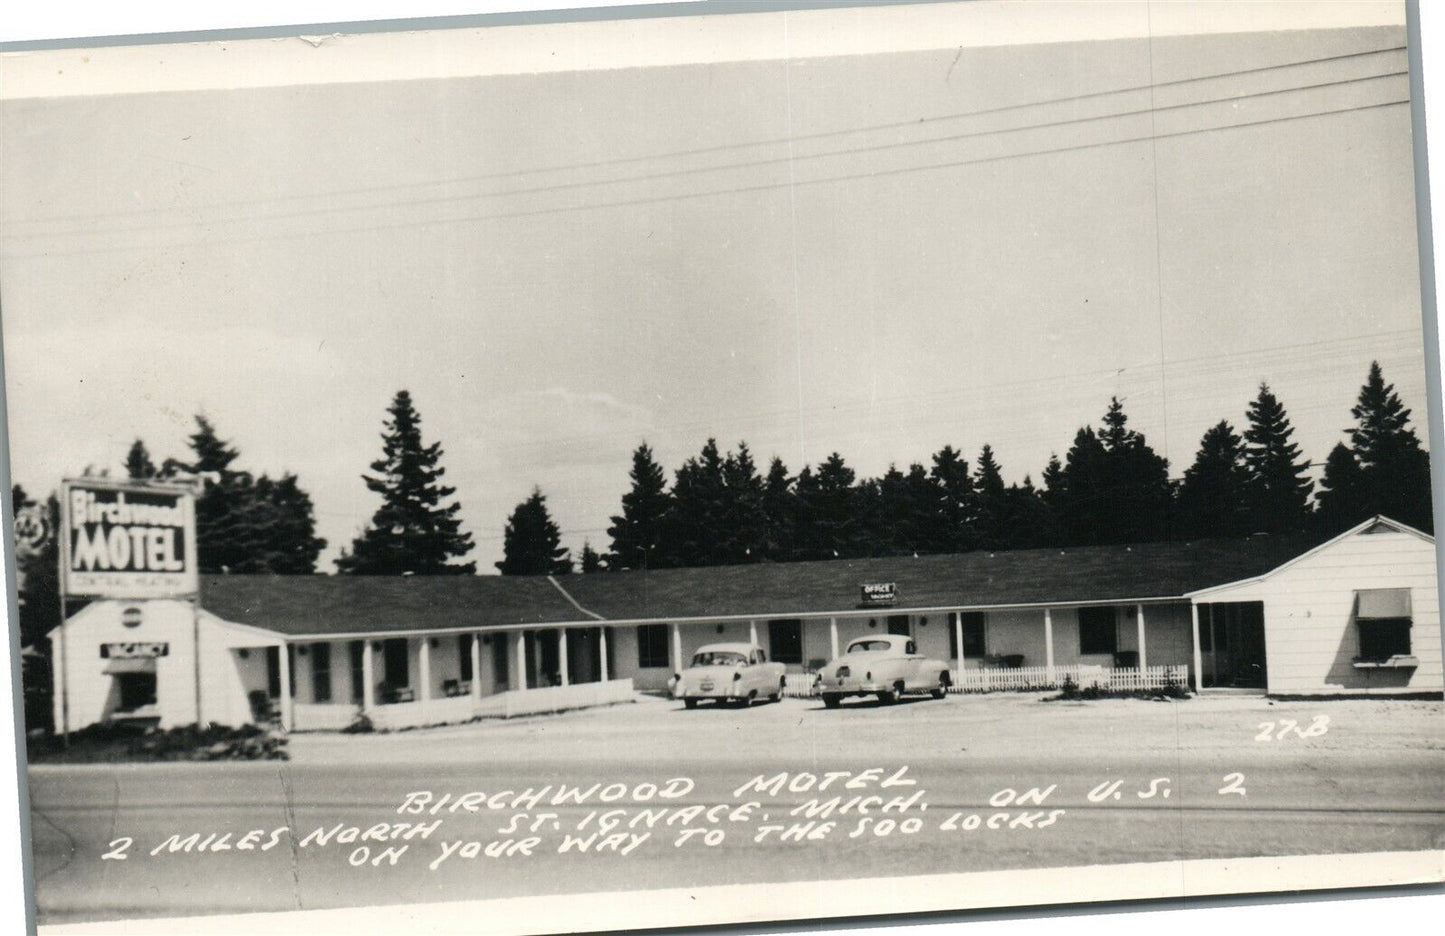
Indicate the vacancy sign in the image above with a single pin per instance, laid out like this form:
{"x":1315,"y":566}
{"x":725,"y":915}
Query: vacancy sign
{"x":124,"y":540}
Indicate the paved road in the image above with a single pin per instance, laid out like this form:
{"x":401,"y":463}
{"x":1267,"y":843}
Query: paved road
{"x":1372,"y":780}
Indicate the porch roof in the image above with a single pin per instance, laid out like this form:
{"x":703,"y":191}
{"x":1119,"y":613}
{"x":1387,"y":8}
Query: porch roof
{"x":323,"y":604}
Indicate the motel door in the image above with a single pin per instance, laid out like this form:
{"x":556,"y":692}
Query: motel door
{"x":1231,"y":643}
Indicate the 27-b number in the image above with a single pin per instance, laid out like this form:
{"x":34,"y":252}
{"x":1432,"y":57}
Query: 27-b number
{"x":1282,"y":729}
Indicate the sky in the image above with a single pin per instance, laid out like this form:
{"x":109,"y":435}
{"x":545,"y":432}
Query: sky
{"x":875,"y":254}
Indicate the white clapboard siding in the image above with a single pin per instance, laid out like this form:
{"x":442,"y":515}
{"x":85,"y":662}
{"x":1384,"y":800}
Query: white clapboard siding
{"x":1311,"y":636}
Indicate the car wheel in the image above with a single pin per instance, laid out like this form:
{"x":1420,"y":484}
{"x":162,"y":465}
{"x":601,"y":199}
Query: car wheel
{"x":777,"y":696}
{"x":941,"y":689}
{"x":892,"y":695}
{"x":832,"y":700}
{"x":689,"y":703}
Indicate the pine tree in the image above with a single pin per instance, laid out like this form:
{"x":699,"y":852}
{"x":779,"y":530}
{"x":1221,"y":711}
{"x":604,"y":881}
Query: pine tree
{"x":896,"y":513}
{"x":957,"y":503}
{"x":1084,"y":493}
{"x":138,"y":464}
{"x":696,"y":514}
{"x":638,"y":532}
{"x":245,"y":524}
{"x":780,"y":508}
{"x":413,"y":530}
{"x":991,"y":521}
{"x":1279,"y":490}
{"x":742,"y":532}
{"x":1395,"y":470}
{"x":1113,"y":488}
{"x":1032,"y":522}
{"x":532,"y":543}
{"x":1344,"y":499}
{"x":1214,"y":497}
{"x":591,"y":559}
{"x":828,"y":524}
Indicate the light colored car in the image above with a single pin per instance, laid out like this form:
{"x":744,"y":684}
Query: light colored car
{"x":888,"y":666}
{"x":729,"y":673}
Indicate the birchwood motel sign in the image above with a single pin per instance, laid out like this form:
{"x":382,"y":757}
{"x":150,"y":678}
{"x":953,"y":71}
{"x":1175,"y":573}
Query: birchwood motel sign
{"x":128,"y":539}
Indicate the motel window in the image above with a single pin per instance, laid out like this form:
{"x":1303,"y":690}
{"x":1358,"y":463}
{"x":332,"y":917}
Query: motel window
{"x":899,"y":624}
{"x":786,"y":639}
{"x":973,"y":640}
{"x":398,"y":666}
{"x":652,"y":646}
{"x":1383,"y":618}
{"x":1098,"y":633}
{"x":464,"y":653}
{"x":321,"y":672}
{"x":358,"y":691}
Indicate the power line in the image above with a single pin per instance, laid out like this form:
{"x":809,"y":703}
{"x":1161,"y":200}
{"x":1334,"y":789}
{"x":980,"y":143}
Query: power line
{"x":728,"y":167}
{"x":751,"y":189}
{"x":775,"y":141}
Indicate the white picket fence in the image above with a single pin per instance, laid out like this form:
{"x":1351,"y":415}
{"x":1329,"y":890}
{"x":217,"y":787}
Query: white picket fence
{"x":1028,"y":678}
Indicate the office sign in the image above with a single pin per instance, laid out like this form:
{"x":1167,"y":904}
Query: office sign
{"x":128,"y":540}
{"x":880,"y":593}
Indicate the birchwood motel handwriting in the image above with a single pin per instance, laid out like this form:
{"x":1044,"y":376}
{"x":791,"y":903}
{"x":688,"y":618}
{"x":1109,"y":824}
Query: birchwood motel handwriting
{"x":616,"y":819}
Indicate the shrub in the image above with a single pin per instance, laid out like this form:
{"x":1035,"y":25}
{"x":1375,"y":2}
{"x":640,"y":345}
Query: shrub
{"x":360,"y":724}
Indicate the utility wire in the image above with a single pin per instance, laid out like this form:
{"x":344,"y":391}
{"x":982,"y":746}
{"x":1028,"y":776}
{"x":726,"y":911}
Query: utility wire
{"x":789,"y":159}
{"x":742,"y":190}
{"x":776,"y":141}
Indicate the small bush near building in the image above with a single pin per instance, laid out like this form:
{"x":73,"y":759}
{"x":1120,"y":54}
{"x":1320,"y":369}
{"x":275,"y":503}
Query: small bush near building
{"x":1070,"y":691}
{"x":123,"y":743}
{"x":360,"y":724}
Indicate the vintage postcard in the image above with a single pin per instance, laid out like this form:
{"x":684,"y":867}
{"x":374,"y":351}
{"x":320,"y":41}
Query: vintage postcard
{"x":717,"y":468}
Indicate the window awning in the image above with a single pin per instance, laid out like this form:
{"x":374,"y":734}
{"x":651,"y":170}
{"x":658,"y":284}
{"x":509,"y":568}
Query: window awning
{"x":133,"y":665}
{"x":1375,"y":603}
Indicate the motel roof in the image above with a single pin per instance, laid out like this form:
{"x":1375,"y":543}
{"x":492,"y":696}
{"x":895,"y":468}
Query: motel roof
{"x":332,"y":605}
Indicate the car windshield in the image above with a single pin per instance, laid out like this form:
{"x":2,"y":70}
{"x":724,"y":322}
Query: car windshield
{"x":718,"y":658}
{"x":868,"y":646}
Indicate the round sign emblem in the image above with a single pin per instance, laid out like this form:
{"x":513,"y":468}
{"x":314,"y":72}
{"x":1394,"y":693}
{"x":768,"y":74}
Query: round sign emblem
{"x":31,"y":528}
{"x":130,"y":617}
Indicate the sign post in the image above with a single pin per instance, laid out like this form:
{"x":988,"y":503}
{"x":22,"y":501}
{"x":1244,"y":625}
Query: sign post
{"x":127,"y":539}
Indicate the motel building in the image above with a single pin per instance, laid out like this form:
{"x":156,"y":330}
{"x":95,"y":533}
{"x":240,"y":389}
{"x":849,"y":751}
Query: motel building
{"x":1357,"y":615}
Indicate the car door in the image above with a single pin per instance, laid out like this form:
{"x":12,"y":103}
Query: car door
{"x":758,"y":671}
{"x":913,"y":664}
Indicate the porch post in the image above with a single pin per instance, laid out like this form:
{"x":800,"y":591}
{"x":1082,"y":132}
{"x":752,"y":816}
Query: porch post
{"x":602,"y":651}
{"x":562,"y":655}
{"x":1198,"y":653}
{"x":368,"y":677}
{"x":519,"y":681}
{"x":287,"y":712}
{"x":833,"y":636}
{"x":676,"y":647}
{"x":958,"y":640}
{"x":1143,"y":658}
{"x":476,"y":687}
{"x":1049,"y":644}
{"x":753,"y":632}
{"x":424,"y":671}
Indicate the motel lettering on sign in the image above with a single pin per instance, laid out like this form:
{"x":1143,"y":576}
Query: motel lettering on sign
{"x":128,"y":540}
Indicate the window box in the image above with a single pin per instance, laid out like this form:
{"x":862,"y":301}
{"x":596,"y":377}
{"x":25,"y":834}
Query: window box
{"x":1398,"y":661}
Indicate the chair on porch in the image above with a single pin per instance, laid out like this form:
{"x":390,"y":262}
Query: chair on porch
{"x":263,"y":709}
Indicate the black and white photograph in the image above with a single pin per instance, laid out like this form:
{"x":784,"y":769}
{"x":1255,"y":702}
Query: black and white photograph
{"x":674,"y":467}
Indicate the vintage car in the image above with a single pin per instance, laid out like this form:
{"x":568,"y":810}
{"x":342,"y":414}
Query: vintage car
{"x":729,"y":673}
{"x":888,"y":666}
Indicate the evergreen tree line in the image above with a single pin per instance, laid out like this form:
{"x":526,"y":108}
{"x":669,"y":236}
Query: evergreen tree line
{"x":1111,"y":487}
